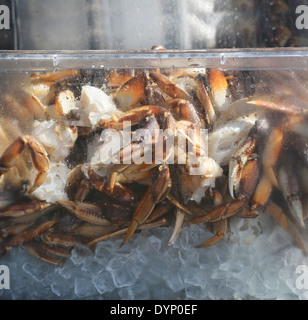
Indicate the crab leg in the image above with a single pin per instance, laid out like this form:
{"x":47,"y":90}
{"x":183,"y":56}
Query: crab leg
{"x":291,"y":189}
{"x":27,"y":235}
{"x":151,"y":225}
{"x":223,"y":211}
{"x":36,"y":252}
{"x":219,"y":228}
{"x":261,"y":196}
{"x":24,"y":209}
{"x":271,"y":153}
{"x":276,"y":212}
{"x":64,"y":252}
{"x":119,"y":192}
{"x":63,"y":239}
{"x":156,"y":192}
{"x":132,"y":117}
{"x":39,"y":158}
{"x":205,"y":101}
{"x":169,"y":87}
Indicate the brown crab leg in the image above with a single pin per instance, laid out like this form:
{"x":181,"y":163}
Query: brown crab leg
{"x":169,"y":87}
{"x":158,"y":212}
{"x":119,"y":191}
{"x":261,"y":196}
{"x":156,"y":192}
{"x":132,"y":117}
{"x":63,"y":239}
{"x":24,"y":209}
{"x":14,"y":229}
{"x":205,"y":101}
{"x":36,"y":252}
{"x":219,"y":228}
{"x":223,"y":211}
{"x":271,"y":153}
{"x":29,"y":234}
{"x":64,"y":252}
{"x":151,"y":225}
{"x":178,"y":204}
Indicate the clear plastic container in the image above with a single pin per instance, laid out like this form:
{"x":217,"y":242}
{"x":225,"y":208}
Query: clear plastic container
{"x":55,"y":109}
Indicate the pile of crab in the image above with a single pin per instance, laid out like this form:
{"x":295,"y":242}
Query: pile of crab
{"x":69,"y":176}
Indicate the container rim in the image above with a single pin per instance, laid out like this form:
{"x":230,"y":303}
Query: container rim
{"x":225,"y":59}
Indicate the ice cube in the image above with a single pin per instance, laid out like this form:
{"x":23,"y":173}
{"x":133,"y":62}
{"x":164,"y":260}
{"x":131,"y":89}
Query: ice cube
{"x":80,"y":254}
{"x":103,"y":282}
{"x":138,"y":291}
{"x":84,"y":287}
{"x":124,"y":270}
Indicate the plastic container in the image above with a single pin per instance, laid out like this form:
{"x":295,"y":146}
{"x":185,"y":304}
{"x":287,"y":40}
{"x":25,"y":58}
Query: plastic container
{"x":260,"y":94}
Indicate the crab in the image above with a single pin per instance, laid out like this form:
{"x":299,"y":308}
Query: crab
{"x":113,"y":188}
{"x":262,"y":174}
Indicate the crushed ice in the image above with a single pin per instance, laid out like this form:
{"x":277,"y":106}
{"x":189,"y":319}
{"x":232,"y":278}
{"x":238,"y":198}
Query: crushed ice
{"x":256,"y":261}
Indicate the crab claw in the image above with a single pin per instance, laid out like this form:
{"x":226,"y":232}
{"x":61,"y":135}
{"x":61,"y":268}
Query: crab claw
{"x":290,"y":188}
{"x":180,"y":215}
{"x":86,"y":211}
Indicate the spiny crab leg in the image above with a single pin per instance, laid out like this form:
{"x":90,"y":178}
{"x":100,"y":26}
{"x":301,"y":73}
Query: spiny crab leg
{"x":160,"y":187}
{"x":39,"y":158}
